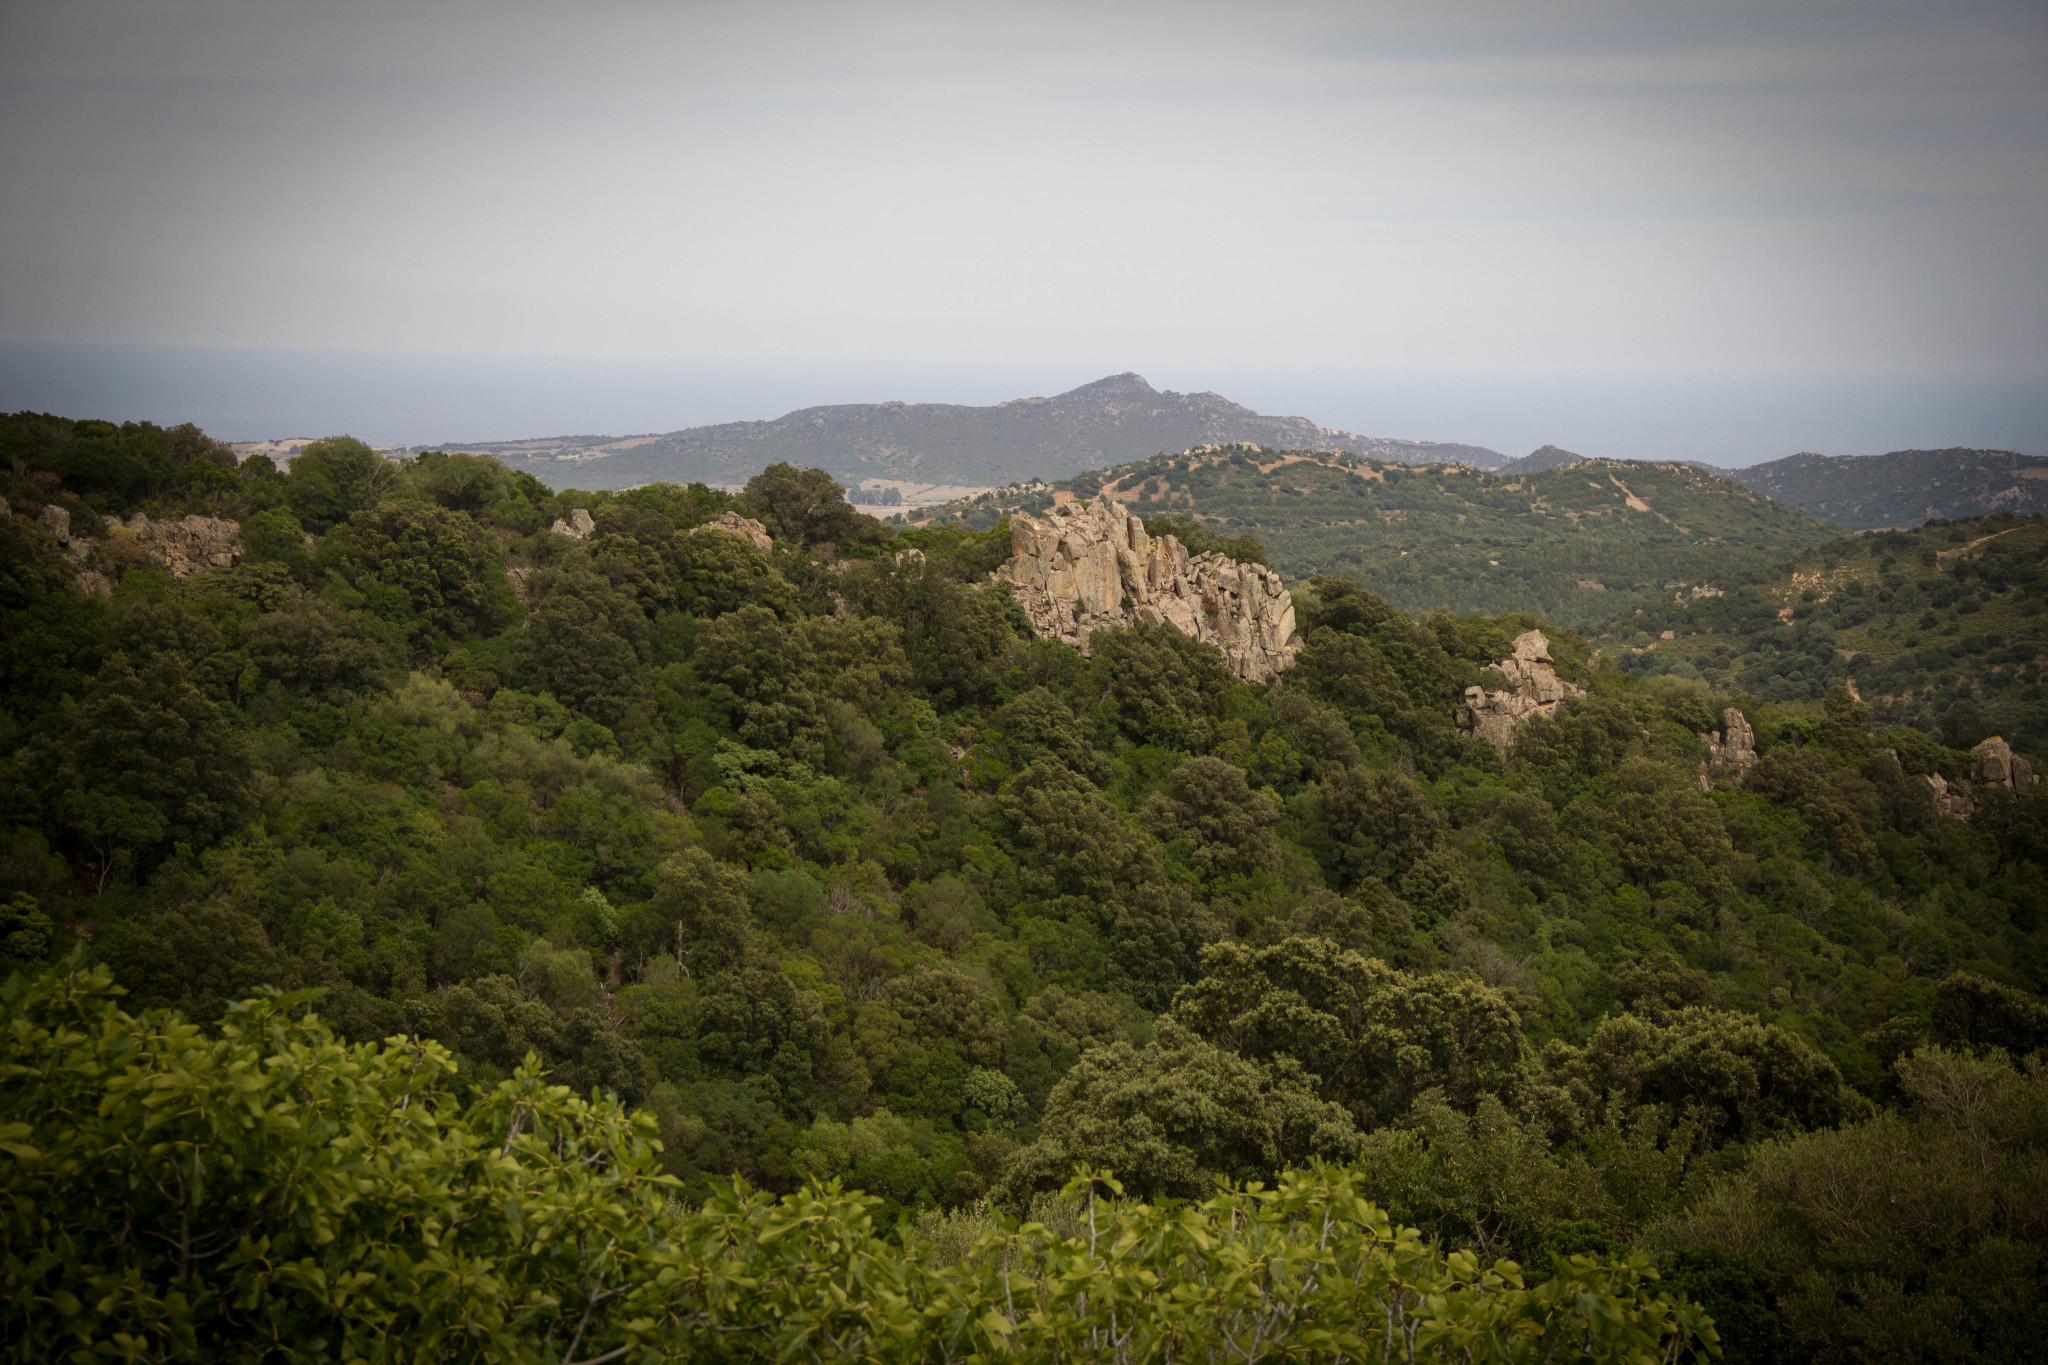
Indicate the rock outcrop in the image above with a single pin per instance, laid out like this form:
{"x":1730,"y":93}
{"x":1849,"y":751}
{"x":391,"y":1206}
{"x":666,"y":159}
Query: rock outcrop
{"x":577,"y":525}
{"x":1996,"y":765}
{"x":746,"y":528}
{"x":1729,"y":752}
{"x":1079,"y":569}
{"x":1533,"y":689}
{"x":181,"y":545}
{"x":1950,"y":800}
{"x":185,"y":545}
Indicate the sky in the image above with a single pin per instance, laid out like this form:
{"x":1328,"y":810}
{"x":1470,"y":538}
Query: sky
{"x":1446,"y":214}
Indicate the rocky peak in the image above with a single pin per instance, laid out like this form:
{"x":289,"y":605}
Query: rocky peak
{"x":1729,"y":752}
{"x":746,"y":528}
{"x":1115,"y":388}
{"x":578,"y":525}
{"x":1080,"y":569}
{"x":1532,"y":689}
{"x":1996,"y":765}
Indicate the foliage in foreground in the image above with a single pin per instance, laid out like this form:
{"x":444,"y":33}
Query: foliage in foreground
{"x":277,"y":1194}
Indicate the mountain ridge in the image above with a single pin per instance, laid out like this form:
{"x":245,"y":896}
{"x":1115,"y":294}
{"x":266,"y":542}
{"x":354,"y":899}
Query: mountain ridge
{"x":1116,"y":418}
{"x":1903,"y":488}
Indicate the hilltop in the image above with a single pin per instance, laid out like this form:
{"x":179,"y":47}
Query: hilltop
{"x":1561,"y":542}
{"x":1117,"y":418}
{"x":1904,"y":488}
{"x":1941,"y":628}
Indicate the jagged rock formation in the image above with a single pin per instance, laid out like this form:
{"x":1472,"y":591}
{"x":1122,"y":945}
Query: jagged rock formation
{"x":1728,"y":752}
{"x":746,"y":528}
{"x":1997,"y":765}
{"x":1952,"y":801}
{"x":182,"y":545}
{"x":1993,"y":764}
{"x":185,"y":545}
{"x":1079,"y":569}
{"x":1533,"y":689}
{"x":578,"y":525}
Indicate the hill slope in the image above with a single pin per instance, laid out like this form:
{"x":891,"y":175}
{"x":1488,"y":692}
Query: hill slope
{"x":1904,"y":488}
{"x":1561,"y":542}
{"x":1112,"y":419}
{"x":1939,"y":628}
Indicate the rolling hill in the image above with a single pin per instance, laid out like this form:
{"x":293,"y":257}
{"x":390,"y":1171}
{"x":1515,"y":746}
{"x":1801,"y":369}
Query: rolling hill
{"x":1569,"y":543}
{"x":1118,"y":418}
{"x":1904,"y":488}
{"x":1942,"y":627}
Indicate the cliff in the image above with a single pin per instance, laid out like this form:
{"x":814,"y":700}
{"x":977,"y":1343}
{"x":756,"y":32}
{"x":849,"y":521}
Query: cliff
{"x":1079,"y":569}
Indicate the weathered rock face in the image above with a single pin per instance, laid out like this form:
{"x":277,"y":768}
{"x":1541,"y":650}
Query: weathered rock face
{"x":185,"y":545}
{"x":1726,"y":754}
{"x":1998,"y":766}
{"x":1533,"y":689}
{"x":577,"y":526}
{"x":182,"y":545}
{"x":1093,"y":567}
{"x":1951,"y":801}
{"x":746,"y":528}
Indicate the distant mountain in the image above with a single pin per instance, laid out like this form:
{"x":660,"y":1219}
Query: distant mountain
{"x":1114,"y":419}
{"x":1573,"y":543}
{"x":1904,"y":488}
{"x":1547,"y":457}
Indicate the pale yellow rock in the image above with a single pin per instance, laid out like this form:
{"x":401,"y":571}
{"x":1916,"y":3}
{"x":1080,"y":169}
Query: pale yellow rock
{"x":1729,"y":752}
{"x":1532,"y":689}
{"x":1079,"y":569}
{"x":746,"y":528}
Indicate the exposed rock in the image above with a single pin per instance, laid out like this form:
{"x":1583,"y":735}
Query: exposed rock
{"x":57,"y":521}
{"x":94,"y":584}
{"x":1096,"y":566}
{"x":1953,"y":802}
{"x":1998,"y":766}
{"x":746,"y":528}
{"x":1728,"y":752}
{"x":579,"y":526}
{"x":1533,"y":689}
{"x":185,"y":545}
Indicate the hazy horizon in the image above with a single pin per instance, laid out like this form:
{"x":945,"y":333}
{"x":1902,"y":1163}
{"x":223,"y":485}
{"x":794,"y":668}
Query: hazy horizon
{"x":1724,"y":233}
{"x":414,"y":399}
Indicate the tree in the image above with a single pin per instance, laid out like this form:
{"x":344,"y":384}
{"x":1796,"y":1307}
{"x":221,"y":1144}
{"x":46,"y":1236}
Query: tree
{"x":1373,"y":1037}
{"x":145,"y":760}
{"x":433,"y":571}
{"x":584,"y":643}
{"x":1170,"y":1117}
{"x":1227,"y":827}
{"x":1372,"y":825}
{"x":305,"y":1191}
{"x":1154,"y":685}
{"x":1732,"y":1077}
{"x":332,"y":480}
{"x":1912,"y":1236}
{"x":807,"y":507}
{"x":1069,"y":841}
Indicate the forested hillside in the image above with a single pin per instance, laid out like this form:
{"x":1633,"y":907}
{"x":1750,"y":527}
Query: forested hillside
{"x":813,"y":857}
{"x":1570,"y":543}
{"x":1904,"y":488}
{"x":1938,"y":628}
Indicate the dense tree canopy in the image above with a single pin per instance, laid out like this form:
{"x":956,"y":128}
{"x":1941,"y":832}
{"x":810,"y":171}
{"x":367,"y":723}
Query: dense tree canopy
{"x":825,"y":865}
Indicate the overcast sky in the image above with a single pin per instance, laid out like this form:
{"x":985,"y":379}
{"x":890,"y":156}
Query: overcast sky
{"x":1683,"y":186}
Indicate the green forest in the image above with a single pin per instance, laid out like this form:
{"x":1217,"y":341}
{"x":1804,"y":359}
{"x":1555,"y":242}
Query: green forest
{"x":433,"y":935}
{"x":1938,"y":628}
{"x":1574,"y":545}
